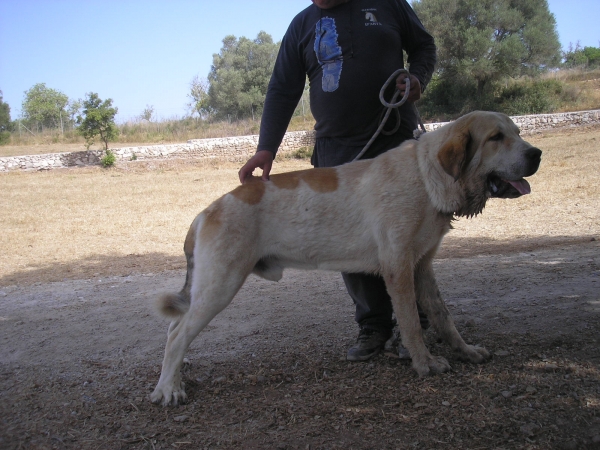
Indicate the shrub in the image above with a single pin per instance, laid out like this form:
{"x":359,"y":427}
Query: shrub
{"x":593,"y":56}
{"x":445,"y":98}
{"x":302,"y":153}
{"x":530,"y":97}
{"x":109,"y":159}
{"x":4,"y":137}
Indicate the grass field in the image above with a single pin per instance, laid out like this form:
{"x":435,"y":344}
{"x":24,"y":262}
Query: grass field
{"x":73,"y":223}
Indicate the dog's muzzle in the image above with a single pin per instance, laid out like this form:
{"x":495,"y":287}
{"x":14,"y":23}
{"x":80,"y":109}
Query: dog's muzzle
{"x":502,"y":187}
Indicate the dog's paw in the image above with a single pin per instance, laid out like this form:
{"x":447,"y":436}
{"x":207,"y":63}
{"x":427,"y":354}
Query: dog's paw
{"x":430,"y":365}
{"x":168,"y":395}
{"x":473,"y":354}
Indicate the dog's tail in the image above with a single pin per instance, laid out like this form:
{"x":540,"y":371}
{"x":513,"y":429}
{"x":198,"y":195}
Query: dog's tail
{"x":176,"y":305}
{"x":173,"y":305}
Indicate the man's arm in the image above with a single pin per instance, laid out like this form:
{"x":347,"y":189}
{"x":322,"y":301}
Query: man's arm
{"x":419,"y":46}
{"x":284,"y":92}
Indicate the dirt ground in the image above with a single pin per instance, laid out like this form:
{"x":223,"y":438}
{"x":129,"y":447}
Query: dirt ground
{"x":79,"y":357}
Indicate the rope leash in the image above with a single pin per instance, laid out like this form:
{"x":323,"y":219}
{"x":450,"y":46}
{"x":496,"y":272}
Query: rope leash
{"x":392,"y":106}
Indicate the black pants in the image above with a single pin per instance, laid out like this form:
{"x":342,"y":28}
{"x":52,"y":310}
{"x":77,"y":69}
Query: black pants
{"x":373,"y":303}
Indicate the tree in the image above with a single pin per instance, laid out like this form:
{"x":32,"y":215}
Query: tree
{"x":147,"y":113}
{"x":581,"y":57}
{"x":593,"y":56}
{"x":45,"y":106}
{"x":240,"y":75}
{"x":482,"y":42}
{"x":199,"y":99}
{"x":99,"y":120}
{"x":73,"y":109}
{"x":5,"y":124}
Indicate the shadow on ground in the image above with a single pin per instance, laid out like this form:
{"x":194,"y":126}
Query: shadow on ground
{"x":155,"y":262}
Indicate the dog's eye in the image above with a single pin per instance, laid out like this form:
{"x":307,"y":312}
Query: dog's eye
{"x":497,"y":137}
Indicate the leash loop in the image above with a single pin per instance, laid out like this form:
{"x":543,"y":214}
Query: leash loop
{"x":390,"y":106}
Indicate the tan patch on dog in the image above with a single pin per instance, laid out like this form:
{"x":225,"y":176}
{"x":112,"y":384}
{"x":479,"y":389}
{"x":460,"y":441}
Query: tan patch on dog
{"x":190,"y":239}
{"x":321,"y":180}
{"x":289,"y":180}
{"x":212,"y":222}
{"x":453,"y":154}
{"x":251,"y":192}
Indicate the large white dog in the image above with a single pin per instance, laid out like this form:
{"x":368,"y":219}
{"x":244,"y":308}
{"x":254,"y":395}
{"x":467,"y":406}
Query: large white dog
{"x":386,"y":215}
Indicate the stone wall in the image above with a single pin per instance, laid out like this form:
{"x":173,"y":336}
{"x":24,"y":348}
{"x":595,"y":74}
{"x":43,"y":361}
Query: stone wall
{"x":242,"y":147}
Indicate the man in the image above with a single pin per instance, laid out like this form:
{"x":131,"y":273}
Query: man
{"x":348,"y":49}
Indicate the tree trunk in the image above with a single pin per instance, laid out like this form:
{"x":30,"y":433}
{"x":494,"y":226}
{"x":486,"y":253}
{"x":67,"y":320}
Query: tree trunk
{"x":480,"y":87}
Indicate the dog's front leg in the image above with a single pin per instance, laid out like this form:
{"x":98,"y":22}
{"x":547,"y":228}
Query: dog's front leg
{"x":428,"y":296}
{"x":400,"y":285}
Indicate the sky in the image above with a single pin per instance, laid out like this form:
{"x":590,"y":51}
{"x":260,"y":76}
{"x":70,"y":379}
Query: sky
{"x":146,"y":53}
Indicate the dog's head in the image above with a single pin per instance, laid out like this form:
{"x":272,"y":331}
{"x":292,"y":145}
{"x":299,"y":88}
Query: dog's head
{"x":486,"y":157}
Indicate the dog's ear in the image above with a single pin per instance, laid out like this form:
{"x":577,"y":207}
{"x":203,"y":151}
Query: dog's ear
{"x":453,"y":153}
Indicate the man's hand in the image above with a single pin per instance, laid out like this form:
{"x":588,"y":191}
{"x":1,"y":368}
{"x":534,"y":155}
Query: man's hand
{"x":262,"y":159}
{"x":415,"y":87}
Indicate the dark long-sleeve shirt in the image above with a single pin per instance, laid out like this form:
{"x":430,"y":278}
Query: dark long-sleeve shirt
{"x":347,"y":52}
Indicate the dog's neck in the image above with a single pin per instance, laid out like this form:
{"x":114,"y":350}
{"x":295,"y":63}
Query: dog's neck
{"x":444,"y":193}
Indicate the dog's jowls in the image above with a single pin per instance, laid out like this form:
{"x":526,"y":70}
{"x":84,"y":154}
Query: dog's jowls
{"x":386,"y":216}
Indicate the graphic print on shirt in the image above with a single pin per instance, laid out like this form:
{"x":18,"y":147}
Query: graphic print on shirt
{"x":370,"y":17}
{"x":329,"y":53}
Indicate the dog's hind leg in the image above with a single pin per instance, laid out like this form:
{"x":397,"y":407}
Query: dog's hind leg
{"x":173,"y":325}
{"x":428,"y":296}
{"x":210,"y":296}
{"x":400,"y":286}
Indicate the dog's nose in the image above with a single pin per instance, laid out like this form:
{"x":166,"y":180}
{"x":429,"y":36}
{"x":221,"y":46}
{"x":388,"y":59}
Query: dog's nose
{"x":533,"y":156}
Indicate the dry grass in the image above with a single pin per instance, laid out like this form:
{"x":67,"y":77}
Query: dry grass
{"x":581,"y":89}
{"x":76,"y":223}
{"x":79,"y":222}
{"x":565,"y":193}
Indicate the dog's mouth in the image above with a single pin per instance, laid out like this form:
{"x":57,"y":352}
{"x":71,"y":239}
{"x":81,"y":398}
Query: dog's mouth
{"x":501,"y":188}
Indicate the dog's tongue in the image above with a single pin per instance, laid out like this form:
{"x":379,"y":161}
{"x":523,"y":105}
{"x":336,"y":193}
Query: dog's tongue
{"x":521,"y":185}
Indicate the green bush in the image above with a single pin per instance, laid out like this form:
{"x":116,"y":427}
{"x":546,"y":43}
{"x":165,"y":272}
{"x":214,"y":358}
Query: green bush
{"x":109,"y":159}
{"x":593,"y":56}
{"x":302,"y":153}
{"x":4,"y":137}
{"x":530,"y":97}
{"x":586,"y":57}
{"x":445,"y":99}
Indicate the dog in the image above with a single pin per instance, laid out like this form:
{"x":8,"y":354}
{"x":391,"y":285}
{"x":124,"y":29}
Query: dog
{"x":384,"y":216}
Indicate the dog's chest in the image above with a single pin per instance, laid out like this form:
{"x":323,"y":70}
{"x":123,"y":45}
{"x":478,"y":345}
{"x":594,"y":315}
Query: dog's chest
{"x":430,"y":234}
